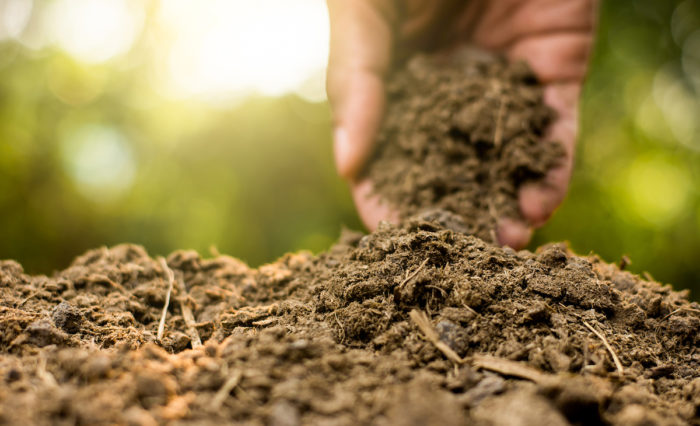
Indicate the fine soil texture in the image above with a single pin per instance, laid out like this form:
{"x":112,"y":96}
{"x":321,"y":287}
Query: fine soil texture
{"x":462,"y":133}
{"x":414,"y":324}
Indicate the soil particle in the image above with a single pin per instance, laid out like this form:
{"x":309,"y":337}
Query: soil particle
{"x":67,"y":317}
{"x":462,"y":133}
{"x":331,"y":339}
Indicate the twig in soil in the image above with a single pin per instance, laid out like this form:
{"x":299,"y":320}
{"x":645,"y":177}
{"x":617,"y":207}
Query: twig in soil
{"x":442,"y":291}
{"x":494,"y":237}
{"x":423,"y":323}
{"x":100,"y":279}
{"x":498,"y":133}
{"x":494,"y":216}
{"x":469,"y":308}
{"x":414,"y":273}
{"x":27,"y":299}
{"x":226,"y":389}
{"x":187,"y":315}
{"x":43,"y":374}
{"x":171,"y":278}
{"x":507,"y":367}
{"x":341,"y":327}
{"x":697,"y":311}
{"x":647,"y":276}
{"x":265,"y":322}
{"x":624,"y":262}
{"x":616,"y":360}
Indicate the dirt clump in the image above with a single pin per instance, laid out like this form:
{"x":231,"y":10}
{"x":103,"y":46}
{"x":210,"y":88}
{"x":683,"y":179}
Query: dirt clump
{"x":462,"y":133}
{"x":413,"y":324}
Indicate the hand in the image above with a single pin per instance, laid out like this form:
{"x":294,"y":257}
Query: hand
{"x":367,"y":36}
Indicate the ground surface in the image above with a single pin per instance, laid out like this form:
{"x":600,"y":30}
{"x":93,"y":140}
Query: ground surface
{"x":462,"y":134}
{"x":413,"y":324}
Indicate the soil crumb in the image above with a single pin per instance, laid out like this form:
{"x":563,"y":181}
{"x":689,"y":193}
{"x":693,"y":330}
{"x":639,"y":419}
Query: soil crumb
{"x":416,"y":323}
{"x":462,"y":133}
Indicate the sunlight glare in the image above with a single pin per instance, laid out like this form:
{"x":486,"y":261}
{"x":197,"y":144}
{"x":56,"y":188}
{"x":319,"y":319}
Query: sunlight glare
{"x":14,"y":16}
{"x":229,"y":48}
{"x":95,"y":31}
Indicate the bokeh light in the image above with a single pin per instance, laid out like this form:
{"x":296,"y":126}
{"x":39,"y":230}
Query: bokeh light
{"x":74,"y":84}
{"x":99,"y":161}
{"x":691,"y":58}
{"x":679,"y":104}
{"x":685,"y":20}
{"x":657,"y":189}
{"x":650,"y":120}
{"x":95,"y":31}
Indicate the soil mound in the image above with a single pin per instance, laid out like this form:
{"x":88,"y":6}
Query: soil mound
{"x":413,"y":324}
{"x":462,"y":134}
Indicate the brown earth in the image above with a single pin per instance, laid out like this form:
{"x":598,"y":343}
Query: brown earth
{"x":413,"y":324}
{"x":462,"y":133}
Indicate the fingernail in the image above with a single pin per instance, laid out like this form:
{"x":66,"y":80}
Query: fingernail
{"x":341,"y":147}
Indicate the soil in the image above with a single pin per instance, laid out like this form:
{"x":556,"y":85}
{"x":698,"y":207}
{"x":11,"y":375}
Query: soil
{"x":462,"y":133}
{"x":413,"y":324}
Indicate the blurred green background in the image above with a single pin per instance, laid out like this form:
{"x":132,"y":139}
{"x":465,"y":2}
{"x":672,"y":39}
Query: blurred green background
{"x":179,"y":124}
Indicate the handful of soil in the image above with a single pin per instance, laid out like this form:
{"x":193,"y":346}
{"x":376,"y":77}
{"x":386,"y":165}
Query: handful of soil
{"x":462,"y":134}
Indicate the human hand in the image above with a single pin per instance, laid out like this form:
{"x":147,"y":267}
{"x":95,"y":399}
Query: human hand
{"x":368,"y":36}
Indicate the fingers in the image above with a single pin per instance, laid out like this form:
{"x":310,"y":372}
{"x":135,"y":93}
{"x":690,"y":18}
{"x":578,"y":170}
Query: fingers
{"x":360,"y":54}
{"x":512,"y":233}
{"x":357,"y":116}
{"x":517,"y":20}
{"x":555,"y":57}
{"x":538,"y":200}
{"x":555,"y":38}
{"x":370,"y":206}
{"x":560,"y":61}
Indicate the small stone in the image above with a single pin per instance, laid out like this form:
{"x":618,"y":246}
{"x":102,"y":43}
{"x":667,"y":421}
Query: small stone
{"x":67,"y":317}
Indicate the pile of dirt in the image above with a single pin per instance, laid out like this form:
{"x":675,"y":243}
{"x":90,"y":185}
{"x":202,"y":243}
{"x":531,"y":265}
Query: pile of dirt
{"x":462,"y":133}
{"x":413,"y":324}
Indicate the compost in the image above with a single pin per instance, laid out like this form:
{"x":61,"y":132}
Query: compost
{"x":462,"y":132}
{"x":417,"y":323}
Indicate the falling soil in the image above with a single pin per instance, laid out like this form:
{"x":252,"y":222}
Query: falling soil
{"x":416,"y":323}
{"x":462,"y":133}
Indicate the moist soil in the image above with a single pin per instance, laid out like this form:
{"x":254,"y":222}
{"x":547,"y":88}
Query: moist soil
{"x":418,"y":323}
{"x":462,"y":133}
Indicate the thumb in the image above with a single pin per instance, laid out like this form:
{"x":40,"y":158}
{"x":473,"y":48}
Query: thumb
{"x":360,"y":54}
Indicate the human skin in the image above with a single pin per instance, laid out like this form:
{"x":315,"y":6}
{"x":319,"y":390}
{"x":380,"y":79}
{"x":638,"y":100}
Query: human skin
{"x":369,"y":37}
